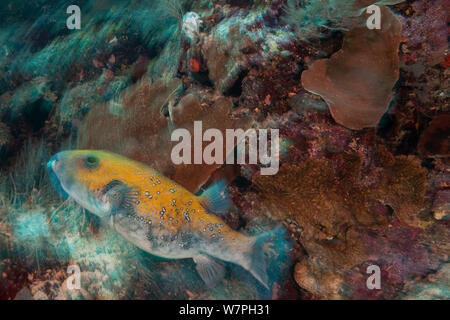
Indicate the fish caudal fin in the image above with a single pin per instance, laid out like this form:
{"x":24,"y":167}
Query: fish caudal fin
{"x":210,"y":270}
{"x":216,"y":198}
{"x":259,"y":251}
{"x":257,"y":264}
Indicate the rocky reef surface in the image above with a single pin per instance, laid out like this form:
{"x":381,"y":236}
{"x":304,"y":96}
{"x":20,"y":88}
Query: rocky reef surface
{"x":363,"y":117}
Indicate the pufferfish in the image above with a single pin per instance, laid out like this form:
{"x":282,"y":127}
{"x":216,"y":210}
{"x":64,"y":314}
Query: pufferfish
{"x":156,"y":214}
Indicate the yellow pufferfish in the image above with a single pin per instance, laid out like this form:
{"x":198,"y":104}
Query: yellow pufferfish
{"x":155,"y":213}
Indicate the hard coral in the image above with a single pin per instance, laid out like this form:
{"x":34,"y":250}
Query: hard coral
{"x":143,"y":124}
{"x":357,"y":81}
{"x":334,"y":211}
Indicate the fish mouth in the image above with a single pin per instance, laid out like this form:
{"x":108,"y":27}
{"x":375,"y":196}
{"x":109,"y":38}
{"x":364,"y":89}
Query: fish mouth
{"x":52,"y":164}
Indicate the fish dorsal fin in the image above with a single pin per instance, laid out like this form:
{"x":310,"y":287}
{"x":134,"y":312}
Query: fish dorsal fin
{"x":210,"y":270}
{"x":118,"y":196}
{"x":216,"y":198}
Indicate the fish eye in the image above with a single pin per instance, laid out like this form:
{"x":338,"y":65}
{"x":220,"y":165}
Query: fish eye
{"x":91,"y":161}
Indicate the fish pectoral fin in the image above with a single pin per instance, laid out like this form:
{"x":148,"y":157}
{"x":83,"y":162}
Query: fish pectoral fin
{"x":118,"y":196}
{"x":210,"y":270}
{"x":216,"y":199}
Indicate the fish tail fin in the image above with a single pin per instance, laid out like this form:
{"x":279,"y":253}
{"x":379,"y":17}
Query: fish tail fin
{"x":259,"y":254}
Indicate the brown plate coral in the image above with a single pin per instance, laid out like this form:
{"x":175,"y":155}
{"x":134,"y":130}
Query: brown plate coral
{"x":363,"y":122}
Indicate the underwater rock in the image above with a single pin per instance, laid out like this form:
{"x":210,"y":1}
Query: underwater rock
{"x":45,"y":289}
{"x":77,"y":101}
{"x":424,"y":34}
{"x":32,"y":96}
{"x":191,"y":25}
{"x":436,"y":286}
{"x":224,"y":60}
{"x":403,"y":254}
{"x":357,"y":81}
{"x":234,"y":44}
{"x":268,"y":88}
{"x":441,"y":205}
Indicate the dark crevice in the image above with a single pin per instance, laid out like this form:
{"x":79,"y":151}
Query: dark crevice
{"x":236,"y":89}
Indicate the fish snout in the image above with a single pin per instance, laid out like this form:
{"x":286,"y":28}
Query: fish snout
{"x":56,"y":172}
{"x":52,"y":162}
{"x":55,"y":163}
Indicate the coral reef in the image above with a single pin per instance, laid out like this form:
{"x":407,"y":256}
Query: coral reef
{"x":335,"y":212}
{"x":362,"y":115}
